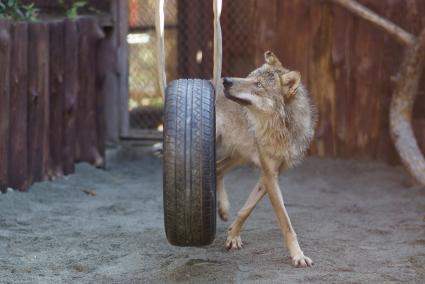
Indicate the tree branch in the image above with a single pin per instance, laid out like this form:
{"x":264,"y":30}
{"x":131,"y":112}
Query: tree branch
{"x":400,"y":34}
{"x":401,"y":108}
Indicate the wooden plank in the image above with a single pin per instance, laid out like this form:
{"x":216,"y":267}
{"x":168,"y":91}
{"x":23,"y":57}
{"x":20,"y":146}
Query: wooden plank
{"x":265,"y":31}
{"x":18,"y":153}
{"x":114,"y":97}
{"x":119,"y":12}
{"x":5,"y":49}
{"x":38,"y":100}
{"x":57,"y":93}
{"x":341,"y":59}
{"x":70,"y":96}
{"x":107,"y":91}
{"x":321,"y":31}
{"x":83,"y":65}
{"x":87,"y":111}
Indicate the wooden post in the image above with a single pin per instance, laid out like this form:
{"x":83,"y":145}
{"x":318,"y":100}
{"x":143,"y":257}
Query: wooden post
{"x":107,"y":99}
{"x":71,"y":96}
{"x":119,"y":12}
{"x":57,"y":90}
{"x":86,"y":123}
{"x":18,"y":143}
{"x":5,"y":43}
{"x":38,"y":100}
{"x":109,"y":70}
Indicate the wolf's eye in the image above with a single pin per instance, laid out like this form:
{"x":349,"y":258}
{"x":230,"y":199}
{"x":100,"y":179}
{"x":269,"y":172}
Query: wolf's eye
{"x":259,"y":85}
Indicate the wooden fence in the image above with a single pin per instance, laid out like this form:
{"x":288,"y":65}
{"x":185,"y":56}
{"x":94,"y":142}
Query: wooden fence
{"x":349,"y":65}
{"x":51,"y":99}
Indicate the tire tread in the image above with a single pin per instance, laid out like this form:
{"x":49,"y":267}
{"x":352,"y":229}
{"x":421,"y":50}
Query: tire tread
{"x":189,"y":163}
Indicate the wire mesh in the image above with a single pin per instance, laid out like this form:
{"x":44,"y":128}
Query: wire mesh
{"x":188,"y":47}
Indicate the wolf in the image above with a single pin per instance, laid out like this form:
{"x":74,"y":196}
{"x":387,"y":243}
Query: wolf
{"x":266,"y":120}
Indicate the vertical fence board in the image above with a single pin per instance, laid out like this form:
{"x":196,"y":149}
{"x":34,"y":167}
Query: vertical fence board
{"x":84,"y":74}
{"x":71,"y":96}
{"x":119,"y":11}
{"x":116,"y":105}
{"x":38,"y":100}
{"x":86,"y":121}
{"x":107,"y":87}
{"x":18,"y":153}
{"x":320,"y":34}
{"x":265,"y":28}
{"x":57,"y":89}
{"x":5,"y":44}
{"x":98,"y":113}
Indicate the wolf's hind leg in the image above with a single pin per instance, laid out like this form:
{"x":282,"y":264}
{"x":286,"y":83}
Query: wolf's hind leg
{"x":233,"y":240}
{"x":224,"y":166}
{"x":223,"y":203}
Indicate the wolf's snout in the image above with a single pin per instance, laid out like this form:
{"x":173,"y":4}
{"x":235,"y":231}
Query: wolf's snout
{"x":227,"y":83}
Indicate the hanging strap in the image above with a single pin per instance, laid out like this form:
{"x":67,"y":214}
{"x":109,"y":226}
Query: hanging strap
{"x":159,"y":27}
{"x":218,"y":45}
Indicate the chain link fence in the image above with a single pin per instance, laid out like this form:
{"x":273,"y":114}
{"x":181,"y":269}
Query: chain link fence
{"x":189,"y":49}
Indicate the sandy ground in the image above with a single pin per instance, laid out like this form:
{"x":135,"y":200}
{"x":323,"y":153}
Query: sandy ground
{"x":359,"y":221}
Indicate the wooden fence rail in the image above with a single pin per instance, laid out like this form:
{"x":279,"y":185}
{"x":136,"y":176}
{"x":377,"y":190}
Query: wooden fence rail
{"x":51,"y":100}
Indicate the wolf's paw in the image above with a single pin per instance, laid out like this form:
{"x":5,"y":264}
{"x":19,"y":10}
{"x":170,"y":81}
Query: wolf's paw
{"x":233,"y":242}
{"x":302,"y":261}
{"x":223,"y":210}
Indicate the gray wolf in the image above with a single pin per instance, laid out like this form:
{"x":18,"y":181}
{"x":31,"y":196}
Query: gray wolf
{"x":266,"y":120}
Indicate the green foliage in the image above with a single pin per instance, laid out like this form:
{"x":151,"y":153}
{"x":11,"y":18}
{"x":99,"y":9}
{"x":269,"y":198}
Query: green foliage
{"x":72,"y":11}
{"x":13,"y":10}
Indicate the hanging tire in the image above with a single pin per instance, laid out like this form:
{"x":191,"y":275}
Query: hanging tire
{"x":189,"y":163}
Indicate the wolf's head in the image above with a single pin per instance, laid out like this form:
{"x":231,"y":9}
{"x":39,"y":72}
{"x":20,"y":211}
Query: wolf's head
{"x":266,"y":88}
{"x":278,"y":108}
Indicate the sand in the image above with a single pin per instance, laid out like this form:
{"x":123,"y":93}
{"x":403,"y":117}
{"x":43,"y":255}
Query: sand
{"x":361,"y":222}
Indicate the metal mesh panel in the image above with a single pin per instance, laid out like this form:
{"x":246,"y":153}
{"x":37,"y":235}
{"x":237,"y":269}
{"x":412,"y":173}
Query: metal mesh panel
{"x":188,"y":46}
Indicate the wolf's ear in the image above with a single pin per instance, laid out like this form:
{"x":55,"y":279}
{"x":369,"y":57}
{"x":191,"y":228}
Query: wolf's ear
{"x":272,"y":59}
{"x":290,"y":83}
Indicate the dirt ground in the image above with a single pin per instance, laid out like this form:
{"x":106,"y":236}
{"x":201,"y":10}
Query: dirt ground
{"x":360,"y":222}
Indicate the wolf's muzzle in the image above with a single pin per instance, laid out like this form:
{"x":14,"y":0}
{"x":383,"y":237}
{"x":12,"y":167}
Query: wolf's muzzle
{"x":227,"y":84}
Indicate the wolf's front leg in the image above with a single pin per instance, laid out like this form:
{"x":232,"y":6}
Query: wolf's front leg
{"x":270,"y":182}
{"x":233,"y":240}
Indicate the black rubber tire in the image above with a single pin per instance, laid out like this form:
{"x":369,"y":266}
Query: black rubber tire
{"x":189,"y":163}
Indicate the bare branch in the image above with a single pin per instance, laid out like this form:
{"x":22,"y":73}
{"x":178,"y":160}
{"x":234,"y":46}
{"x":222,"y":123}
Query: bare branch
{"x":400,"y":34}
{"x":401,"y":109}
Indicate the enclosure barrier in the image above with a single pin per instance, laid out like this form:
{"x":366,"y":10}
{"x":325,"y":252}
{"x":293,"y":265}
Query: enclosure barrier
{"x":51,"y":99}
